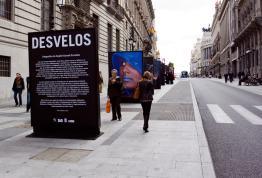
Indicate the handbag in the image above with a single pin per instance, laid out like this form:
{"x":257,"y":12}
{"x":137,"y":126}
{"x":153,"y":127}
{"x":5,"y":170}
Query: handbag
{"x":108,"y":106}
{"x":136,"y":93}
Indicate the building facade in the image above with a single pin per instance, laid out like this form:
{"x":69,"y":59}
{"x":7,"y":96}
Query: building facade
{"x":237,"y":38}
{"x":248,"y":36}
{"x":195,"y":63}
{"x":122,"y":25}
{"x":215,"y":68}
{"x":206,"y":46}
{"x":225,"y":41}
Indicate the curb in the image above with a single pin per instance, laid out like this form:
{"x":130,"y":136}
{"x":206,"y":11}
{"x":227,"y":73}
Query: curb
{"x":241,"y":88}
{"x":205,"y":156}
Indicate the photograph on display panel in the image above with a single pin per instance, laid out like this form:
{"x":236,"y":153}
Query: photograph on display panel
{"x":129,"y":65}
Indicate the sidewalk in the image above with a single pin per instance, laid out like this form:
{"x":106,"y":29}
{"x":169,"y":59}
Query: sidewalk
{"x":253,"y":89}
{"x":175,"y":146}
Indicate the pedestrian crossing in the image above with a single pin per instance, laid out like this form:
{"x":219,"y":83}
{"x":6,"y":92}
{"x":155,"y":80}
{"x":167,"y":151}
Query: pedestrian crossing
{"x":224,"y":117}
{"x":219,"y":115}
{"x":259,"y":107}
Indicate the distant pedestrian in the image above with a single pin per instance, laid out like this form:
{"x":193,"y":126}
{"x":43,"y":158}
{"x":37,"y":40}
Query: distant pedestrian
{"x":231,"y":77}
{"x":114,"y":94}
{"x":18,"y":87}
{"x":226,"y":77}
{"x":100,"y":82}
{"x":239,"y":75}
{"x":146,"y":88}
{"x":28,"y":104}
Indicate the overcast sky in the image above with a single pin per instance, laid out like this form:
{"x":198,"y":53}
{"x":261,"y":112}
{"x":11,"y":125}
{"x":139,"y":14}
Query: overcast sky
{"x":178,"y":24}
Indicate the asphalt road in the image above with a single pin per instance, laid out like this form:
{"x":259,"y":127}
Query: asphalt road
{"x":232,"y":120}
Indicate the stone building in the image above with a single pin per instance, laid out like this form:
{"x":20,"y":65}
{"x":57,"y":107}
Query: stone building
{"x":195,"y":63}
{"x":17,"y":19}
{"x":224,"y":33}
{"x":248,"y":36}
{"x":214,"y":68}
{"x":121,"y":25}
{"x":206,"y":46}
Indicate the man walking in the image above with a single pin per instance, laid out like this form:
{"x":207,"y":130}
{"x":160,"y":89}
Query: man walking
{"x":18,"y":87}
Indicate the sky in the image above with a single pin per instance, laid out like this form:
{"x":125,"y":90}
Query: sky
{"x":178,"y":24}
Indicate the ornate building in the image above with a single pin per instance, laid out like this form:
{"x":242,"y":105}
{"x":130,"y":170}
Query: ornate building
{"x":195,"y":63}
{"x":214,"y":67}
{"x":121,"y":25}
{"x":248,"y":36}
{"x":206,"y":46}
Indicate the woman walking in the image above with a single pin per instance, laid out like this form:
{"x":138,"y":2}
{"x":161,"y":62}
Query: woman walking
{"x":114,"y":94}
{"x":146,"y":89}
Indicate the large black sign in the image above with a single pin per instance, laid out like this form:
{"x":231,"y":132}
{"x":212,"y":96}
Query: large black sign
{"x":64,"y":75}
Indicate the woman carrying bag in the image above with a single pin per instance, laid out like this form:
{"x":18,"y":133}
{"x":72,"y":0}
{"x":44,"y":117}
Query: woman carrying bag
{"x":114,"y":94}
{"x":146,"y":92}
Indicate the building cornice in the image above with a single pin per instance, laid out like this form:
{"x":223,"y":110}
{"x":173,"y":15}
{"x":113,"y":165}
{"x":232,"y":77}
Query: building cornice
{"x":151,"y":9}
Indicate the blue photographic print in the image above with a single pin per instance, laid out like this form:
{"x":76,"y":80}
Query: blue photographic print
{"x":129,"y":66}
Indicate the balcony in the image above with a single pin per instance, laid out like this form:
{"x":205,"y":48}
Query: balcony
{"x":114,"y":8}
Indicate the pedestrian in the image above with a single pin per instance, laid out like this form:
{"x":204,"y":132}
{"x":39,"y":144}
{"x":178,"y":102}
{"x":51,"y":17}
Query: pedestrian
{"x":226,"y":77}
{"x":146,"y":88}
{"x":239,"y":75}
{"x":231,"y":77}
{"x":114,"y":94}
{"x":100,"y":82}
{"x":18,"y":87}
{"x":28,"y":104}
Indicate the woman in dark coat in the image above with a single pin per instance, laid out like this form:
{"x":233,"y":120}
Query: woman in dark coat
{"x":146,"y":89}
{"x":18,"y":87}
{"x":114,"y":94}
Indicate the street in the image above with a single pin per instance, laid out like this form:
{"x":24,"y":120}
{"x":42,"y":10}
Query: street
{"x":175,"y":146}
{"x":232,"y":120}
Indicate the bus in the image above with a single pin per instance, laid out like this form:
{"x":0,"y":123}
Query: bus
{"x":184,"y":74}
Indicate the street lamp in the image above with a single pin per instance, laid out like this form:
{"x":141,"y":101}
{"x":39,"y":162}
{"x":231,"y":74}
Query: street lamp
{"x":132,"y":42}
{"x":60,"y":3}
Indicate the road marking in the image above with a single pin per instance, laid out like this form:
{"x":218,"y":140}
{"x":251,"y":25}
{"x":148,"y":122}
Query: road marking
{"x":254,"y":119}
{"x":259,"y":107}
{"x":219,"y":115}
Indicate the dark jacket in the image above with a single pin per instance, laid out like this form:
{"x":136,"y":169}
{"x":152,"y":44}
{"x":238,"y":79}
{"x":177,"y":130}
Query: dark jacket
{"x":114,"y":89}
{"x":28,"y":84}
{"x":21,"y":86}
{"x":146,"y":88}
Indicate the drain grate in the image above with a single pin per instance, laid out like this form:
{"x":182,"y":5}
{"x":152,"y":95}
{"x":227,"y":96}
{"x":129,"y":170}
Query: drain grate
{"x":62,"y":155}
{"x":171,"y":112}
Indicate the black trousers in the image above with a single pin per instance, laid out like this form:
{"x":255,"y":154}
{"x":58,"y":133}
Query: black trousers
{"x":116,"y":109}
{"x":19,"y":92}
{"x":146,"y":112}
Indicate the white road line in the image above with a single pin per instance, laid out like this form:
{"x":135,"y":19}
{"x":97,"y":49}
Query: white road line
{"x":259,"y":107}
{"x":219,"y":115}
{"x":254,"y":119}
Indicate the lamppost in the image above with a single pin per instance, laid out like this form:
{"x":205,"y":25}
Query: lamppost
{"x":132,"y":43}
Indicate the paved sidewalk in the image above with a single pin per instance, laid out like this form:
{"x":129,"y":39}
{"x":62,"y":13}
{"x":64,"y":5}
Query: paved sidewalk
{"x":253,"y":89}
{"x":175,"y":146}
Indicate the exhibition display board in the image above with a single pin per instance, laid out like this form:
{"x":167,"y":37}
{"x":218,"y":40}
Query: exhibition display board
{"x":64,"y":89}
{"x":129,"y":65}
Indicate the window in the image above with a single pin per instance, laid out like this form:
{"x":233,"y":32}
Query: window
{"x":5,"y":9}
{"x":117,"y":40}
{"x":109,"y":37}
{"x":96,"y":26}
{"x":5,"y":66}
